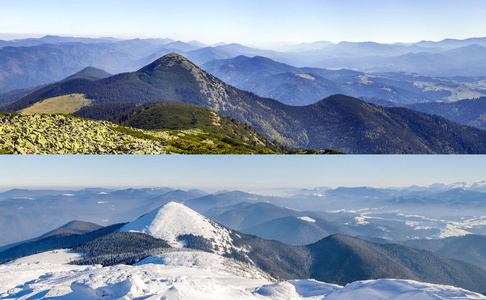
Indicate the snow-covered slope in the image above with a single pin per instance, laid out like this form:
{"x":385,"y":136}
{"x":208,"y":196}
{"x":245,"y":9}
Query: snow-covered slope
{"x":400,"y":289}
{"x":177,"y":275}
{"x":29,"y":268}
{"x":58,"y":257}
{"x":193,"y":275}
{"x":173,"y":220}
{"x":208,"y":261}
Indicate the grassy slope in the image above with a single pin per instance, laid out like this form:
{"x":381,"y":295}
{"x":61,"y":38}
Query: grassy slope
{"x":184,"y":117}
{"x":66,"y":104}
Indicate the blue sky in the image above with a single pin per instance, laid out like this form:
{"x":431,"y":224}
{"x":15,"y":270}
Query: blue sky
{"x":248,"y":21}
{"x":238,"y":172}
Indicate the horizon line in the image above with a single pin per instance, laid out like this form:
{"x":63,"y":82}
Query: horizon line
{"x":289,"y":43}
{"x":216,"y":189}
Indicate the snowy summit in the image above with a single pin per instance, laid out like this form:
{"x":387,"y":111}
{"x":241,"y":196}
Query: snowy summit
{"x":188,"y":273}
{"x":173,"y":220}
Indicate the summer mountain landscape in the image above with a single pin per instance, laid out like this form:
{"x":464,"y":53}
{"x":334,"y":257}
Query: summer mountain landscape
{"x":319,"y":109}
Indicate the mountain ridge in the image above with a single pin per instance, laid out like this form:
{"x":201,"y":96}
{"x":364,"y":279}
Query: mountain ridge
{"x":337,"y":258}
{"x":269,"y":78}
{"x":34,"y":56}
{"x":338,"y":122}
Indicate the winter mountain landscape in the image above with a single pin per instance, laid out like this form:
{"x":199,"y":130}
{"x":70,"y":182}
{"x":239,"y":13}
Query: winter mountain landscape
{"x":293,"y":244}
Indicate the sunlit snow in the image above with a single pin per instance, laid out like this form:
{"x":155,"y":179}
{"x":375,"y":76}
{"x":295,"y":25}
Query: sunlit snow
{"x":191,"y":275}
{"x":307,"y":219}
{"x":174,"y":219}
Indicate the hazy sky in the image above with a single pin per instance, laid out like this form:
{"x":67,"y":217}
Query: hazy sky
{"x":238,"y":172}
{"x":248,"y":21}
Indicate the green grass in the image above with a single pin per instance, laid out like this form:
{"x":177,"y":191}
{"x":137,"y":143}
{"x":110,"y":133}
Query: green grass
{"x":172,"y":117}
{"x":217,"y":128}
{"x":66,"y":104}
{"x":227,"y":135}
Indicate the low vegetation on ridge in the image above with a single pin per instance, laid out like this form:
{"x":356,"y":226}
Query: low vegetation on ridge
{"x":189,"y":117}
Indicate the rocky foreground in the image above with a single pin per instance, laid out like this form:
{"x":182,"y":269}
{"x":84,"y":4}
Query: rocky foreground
{"x":63,"y":134}
{"x":59,"y":134}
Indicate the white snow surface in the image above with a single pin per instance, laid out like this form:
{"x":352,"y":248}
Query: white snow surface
{"x":173,"y":220}
{"x":175,"y":275}
{"x":207,"y":261}
{"x":29,"y":268}
{"x":400,"y":289}
{"x":192,"y":275}
{"x":451,"y":230}
{"x":307,"y":219}
{"x":58,"y":257}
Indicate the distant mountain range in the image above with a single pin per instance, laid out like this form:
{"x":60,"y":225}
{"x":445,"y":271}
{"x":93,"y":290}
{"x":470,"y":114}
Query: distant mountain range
{"x":335,"y":259}
{"x":29,"y":64}
{"x":300,"y":218}
{"x":463,"y":61}
{"x":338,"y":122}
{"x":467,"y":112}
{"x":175,"y":226}
{"x":304,"y":86}
{"x":469,"y":248}
{"x":88,"y":73}
{"x":32,"y":62}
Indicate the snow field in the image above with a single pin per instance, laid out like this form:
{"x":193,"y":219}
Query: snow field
{"x":191,"y":275}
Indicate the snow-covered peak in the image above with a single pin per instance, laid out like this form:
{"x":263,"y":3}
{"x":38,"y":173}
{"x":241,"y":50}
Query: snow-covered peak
{"x":173,"y":220}
{"x":458,"y":185}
